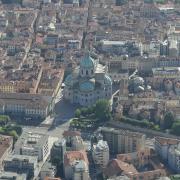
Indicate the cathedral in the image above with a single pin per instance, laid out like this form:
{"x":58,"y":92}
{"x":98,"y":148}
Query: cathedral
{"x":88,"y":83}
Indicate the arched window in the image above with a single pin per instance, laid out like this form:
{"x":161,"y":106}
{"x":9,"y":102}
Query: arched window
{"x":92,"y":71}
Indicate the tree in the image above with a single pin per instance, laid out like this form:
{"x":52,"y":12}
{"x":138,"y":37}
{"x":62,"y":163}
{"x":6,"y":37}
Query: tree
{"x":77,"y":113}
{"x":102,"y":110}
{"x":168,"y":120}
{"x":176,"y":128}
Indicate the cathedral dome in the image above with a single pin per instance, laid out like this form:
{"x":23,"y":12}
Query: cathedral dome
{"x":87,"y":62}
{"x":87,"y":86}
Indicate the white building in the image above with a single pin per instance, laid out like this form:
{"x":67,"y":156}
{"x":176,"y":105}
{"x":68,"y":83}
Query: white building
{"x":81,"y":170}
{"x":33,"y":144}
{"x":100,"y":153}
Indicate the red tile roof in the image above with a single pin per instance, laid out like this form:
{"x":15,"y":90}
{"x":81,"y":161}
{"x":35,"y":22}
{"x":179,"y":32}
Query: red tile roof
{"x":72,"y":156}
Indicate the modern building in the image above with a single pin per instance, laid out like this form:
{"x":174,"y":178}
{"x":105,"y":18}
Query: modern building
{"x":122,"y":141}
{"x":88,"y":83}
{"x":12,"y":176}
{"x":47,"y":170}
{"x":6,"y":144}
{"x":33,"y":144}
{"x":100,"y":153}
{"x":22,"y":165}
{"x":81,"y":170}
{"x":174,"y":158}
{"x":58,"y":150}
{"x":76,"y":165}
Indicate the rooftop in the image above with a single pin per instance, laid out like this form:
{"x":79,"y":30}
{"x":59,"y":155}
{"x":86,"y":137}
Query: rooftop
{"x":5,"y":143}
{"x":72,"y":156}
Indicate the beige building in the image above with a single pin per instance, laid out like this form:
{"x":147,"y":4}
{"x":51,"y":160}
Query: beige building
{"x":76,"y":165}
{"x":122,"y":141}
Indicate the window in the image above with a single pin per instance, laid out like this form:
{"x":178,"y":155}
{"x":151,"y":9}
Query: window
{"x":92,"y":71}
{"x":86,"y":72}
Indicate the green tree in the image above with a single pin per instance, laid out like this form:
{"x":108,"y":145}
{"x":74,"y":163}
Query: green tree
{"x":84,"y":111}
{"x":168,"y":120}
{"x":77,"y":113}
{"x":176,"y":128}
{"x":102,"y":110}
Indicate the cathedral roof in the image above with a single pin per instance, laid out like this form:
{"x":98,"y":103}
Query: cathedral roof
{"x":87,"y":61}
{"x":87,"y":86}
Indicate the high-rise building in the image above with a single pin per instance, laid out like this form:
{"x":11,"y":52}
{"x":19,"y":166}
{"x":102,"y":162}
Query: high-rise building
{"x":122,"y":141}
{"x":100,"y":153}
{"x":58,"y":150}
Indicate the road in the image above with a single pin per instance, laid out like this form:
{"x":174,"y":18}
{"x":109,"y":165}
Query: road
{"x":64,"y":111}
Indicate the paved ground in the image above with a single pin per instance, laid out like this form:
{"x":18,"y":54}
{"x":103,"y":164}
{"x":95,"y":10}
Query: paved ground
{"x":54,"y":132}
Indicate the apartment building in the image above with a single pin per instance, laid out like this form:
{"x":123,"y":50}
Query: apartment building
{"x":76,"y":165}
{"x":122,"y":141}
{"x":169,"y":151}
{"x":100,"y":153}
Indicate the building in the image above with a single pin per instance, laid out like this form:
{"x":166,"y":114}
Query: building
{"x":68,"y":136}
{"x":47,"y":170}
{"x":162,"y":146}
{"x":6,"y":143}
{"x":122,"y":141}
{"x":12,"y":176}
{"x":100,"y":153}
{"x":80,"y":170}
{"x":117,"y":167}
{"x":169,"y":151}
{"x":33,"y":144}
{"x":77,"y":143}
{"x":174,"y":158}
{"x":22,"y":165}
{"x":28,"y":105}
{"x":88,"y":83}
{"x":76,"y":165}
{"x":58,"y":150}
